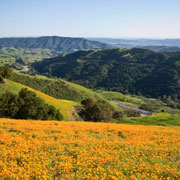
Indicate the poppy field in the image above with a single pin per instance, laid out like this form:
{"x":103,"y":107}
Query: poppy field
{"x":81,"y":150}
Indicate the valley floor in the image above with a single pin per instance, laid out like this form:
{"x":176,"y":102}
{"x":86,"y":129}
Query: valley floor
{"x":82,"y":150}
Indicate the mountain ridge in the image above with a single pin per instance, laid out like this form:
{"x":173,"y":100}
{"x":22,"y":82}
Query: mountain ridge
{"x":64,"y":44}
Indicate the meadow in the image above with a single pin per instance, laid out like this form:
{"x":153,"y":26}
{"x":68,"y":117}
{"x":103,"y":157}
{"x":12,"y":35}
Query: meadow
{"x":84,"y":150}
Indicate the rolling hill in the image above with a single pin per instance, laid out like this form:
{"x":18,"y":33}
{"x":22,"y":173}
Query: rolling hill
{"x":62,"y":44}
{"x":161,"y":48}
{"x":137,"y":71}
{"x":61,"y":89}
{"x":18,"y":57}
{"x":67,"y":97}
{"x":65,"y":106}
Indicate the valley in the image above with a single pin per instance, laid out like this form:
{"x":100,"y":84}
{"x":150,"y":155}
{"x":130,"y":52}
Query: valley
{"x":89,"y":90}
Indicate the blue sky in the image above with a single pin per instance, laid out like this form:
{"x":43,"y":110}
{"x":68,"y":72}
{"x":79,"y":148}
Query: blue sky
{"x":90,"y":18}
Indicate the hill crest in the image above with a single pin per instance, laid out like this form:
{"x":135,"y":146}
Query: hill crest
{"x":63,"y":44}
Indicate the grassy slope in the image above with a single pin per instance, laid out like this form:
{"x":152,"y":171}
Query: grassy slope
{"x":62,"y":89}
{"x":136,"y":101}
{"x":65,"y":106}
{"x":59,"y":88}
{"x":162,"y":119}
{"x":10,"y":86}
{"x":121,"y":98}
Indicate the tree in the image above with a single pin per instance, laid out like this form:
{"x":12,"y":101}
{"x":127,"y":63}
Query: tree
{"x":9,"y":105}
{"x":5,"y":72}
{"x":117,"y":115}
{"x":88,"y":102}
{"x":98,"y":111}
{"x":26,"y":105}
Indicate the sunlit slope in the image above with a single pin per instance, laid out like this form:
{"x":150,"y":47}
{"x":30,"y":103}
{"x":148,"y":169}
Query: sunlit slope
{"x":65,"y":106}
{"x":81,"y":150}
{"x":54,"y":87}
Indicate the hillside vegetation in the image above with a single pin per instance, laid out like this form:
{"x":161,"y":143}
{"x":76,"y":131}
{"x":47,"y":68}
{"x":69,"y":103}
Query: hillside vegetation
{"x":148,"y":104}
{"x":79,"y":103}
{"x":26,"y":105}
{"x":54,"y":87}
{"x":134,"y":71}
{"x":65,"y":106}
{"x":18,"y":57}
{"x":63,"y":44}
{"x":78,"y":150}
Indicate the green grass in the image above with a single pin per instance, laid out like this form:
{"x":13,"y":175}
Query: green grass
{"x":13,"y":87}
{"x":10,"y":86}
{"x":136,"y":101}
{"x":162,"y":119}
{"x":116,"y":96}
{"x":82,"y":89}
{"x":57,"y":88}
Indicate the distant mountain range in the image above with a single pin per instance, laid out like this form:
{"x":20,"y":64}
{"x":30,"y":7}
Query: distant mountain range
{"x":130,"y":43}
{"x":162,"y":48}
{"x":63,"y":44}
{"x":68,"y":44}
{"x":138,"y":71}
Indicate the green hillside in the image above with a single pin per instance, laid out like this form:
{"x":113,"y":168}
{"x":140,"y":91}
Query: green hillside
{"x":98,"y":105}
{"x":62,"y":89}
{"x":18,"y":57}
{"x":63,"y":44}
{"x":148,"y":104}
{"x":134,"y":71}
{"x":65,"y":107}
{"x":54,"y":87}
{"x":162,"y":119}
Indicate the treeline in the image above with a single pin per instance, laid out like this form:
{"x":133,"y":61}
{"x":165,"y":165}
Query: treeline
{"x":26,"y":105}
